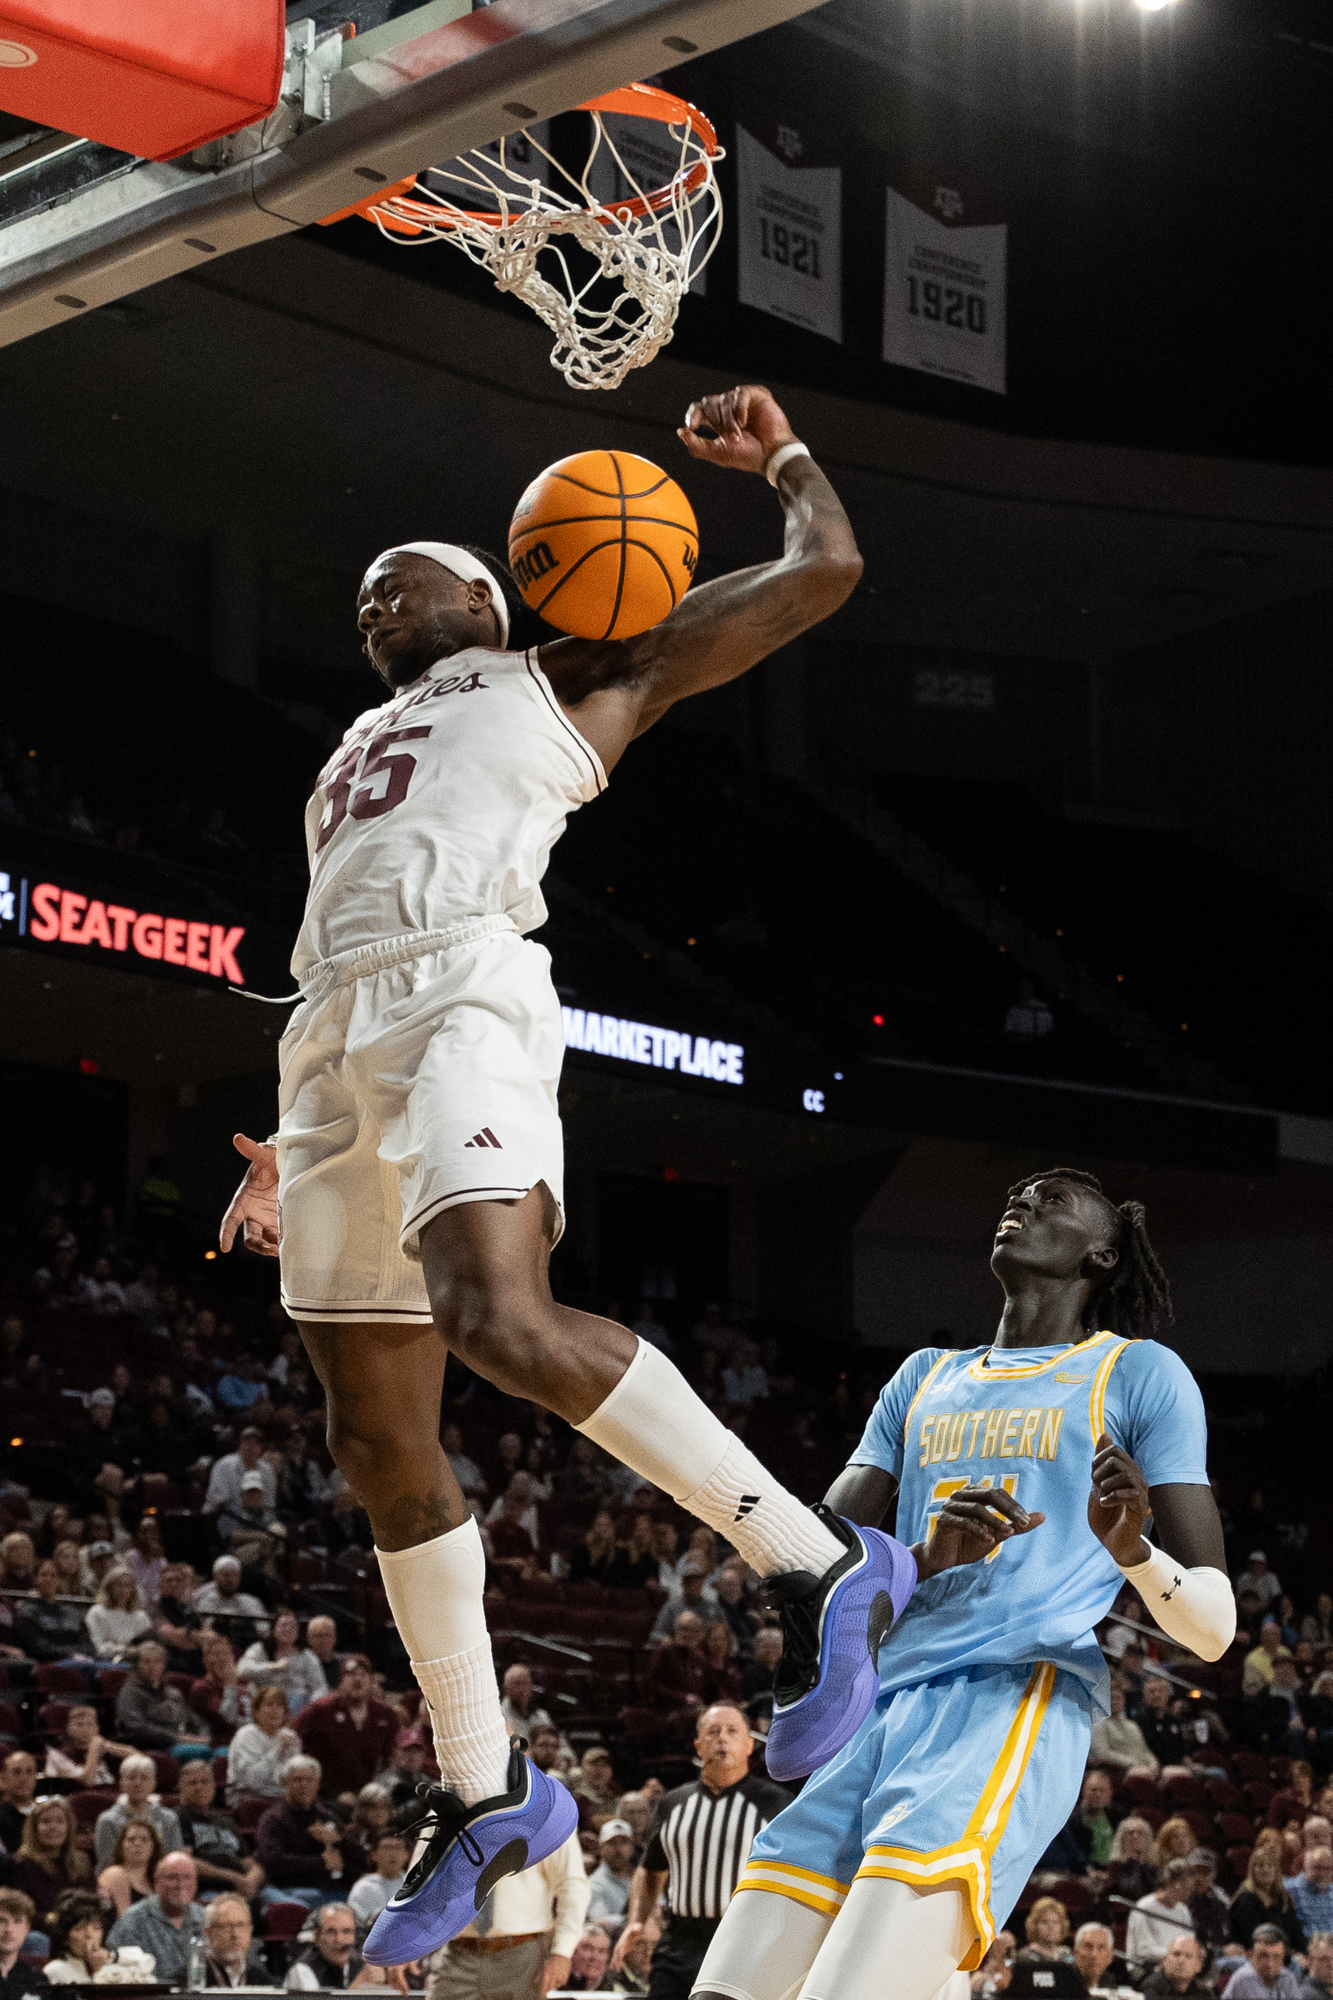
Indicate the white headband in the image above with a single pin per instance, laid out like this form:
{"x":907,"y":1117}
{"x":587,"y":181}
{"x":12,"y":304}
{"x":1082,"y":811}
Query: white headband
{"x":459,"y":563}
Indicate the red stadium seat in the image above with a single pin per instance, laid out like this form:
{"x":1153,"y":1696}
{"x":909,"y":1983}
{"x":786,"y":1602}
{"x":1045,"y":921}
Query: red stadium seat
{"x":11,"y":1723}
{"x":1183,"y":1791}
{"x":53,"y":1677}
{"x":1223,"y":1796}
{"x":53,"y":1715}
{"x":249,"y":1812}
{"x":88,"y":1806}
{"x":168,"y":1770}
{"x":1259,"y":1793}
{"x":1139,"y":1789}
{"x":1205,"y":1829}
{"x":284,"y":1920}
{"x":1234,"y":1829}
{"x":1076,"y":1896}
{"x":1154,"y":1815}
{"x":1238,"y":1863}
{"x":1279,"y":1769}
{"x":110,"y":1680}
{"x":1248,"y":1766}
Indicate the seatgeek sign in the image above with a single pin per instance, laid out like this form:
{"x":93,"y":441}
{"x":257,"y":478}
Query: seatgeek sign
{"x":48,"y":913}
{"x":658,"y":1048}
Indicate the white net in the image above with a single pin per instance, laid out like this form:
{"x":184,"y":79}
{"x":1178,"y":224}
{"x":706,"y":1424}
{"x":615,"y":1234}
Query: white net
{"x":606,"y":278}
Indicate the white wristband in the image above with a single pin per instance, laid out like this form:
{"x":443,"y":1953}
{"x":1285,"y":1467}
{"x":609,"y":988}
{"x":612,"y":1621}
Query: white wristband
{"x":1194,"y":1606}
{"x":784,"y":455}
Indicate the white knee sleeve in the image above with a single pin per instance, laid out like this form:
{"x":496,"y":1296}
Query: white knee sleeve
{"x":763,"y":1948}
{"x":884,"y":1923}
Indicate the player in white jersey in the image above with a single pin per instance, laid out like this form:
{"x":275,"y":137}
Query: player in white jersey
{"x":415,"y":1190}
{"x":910,"y":1848}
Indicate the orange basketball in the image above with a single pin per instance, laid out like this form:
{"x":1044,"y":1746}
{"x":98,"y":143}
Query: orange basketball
{"x":603,"y":544}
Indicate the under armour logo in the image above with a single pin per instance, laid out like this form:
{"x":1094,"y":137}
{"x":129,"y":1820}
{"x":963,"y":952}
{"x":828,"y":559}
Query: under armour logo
{"x":949,"y":203}
{"x":483,"y":1138}
{"x":1167,"y":1595}
{"x":749,"y":1501}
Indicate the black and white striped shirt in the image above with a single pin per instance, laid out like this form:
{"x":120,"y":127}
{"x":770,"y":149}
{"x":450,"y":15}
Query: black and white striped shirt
{"x":703,"y":1841}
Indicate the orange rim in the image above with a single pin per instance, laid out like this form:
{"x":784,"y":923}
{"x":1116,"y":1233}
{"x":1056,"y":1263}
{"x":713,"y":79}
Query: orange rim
{"x":394,"y":209}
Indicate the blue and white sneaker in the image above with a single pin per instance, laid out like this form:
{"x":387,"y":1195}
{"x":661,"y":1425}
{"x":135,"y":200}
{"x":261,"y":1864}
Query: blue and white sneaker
{"x":468,"y":1850}
{"x":832,"y":1628}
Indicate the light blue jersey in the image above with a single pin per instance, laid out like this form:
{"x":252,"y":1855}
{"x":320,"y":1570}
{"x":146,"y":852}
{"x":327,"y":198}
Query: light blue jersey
{"x":1026,"y":1419}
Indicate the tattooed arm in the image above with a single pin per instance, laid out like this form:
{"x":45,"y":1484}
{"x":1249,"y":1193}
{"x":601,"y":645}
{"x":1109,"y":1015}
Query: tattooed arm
{"x":616,"y":689}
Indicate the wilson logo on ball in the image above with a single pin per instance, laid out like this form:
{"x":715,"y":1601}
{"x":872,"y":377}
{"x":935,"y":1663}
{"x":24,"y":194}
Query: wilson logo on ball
{"x":600,"y":543}
{"x":531,"y":568}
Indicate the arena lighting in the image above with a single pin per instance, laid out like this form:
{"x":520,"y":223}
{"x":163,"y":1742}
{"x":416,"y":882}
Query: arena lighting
{"x":1153,"y":6}
{"x":662,"y":1048}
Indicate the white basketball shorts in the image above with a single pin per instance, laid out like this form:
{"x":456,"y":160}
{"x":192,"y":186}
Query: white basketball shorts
{"x":411,"y":1080}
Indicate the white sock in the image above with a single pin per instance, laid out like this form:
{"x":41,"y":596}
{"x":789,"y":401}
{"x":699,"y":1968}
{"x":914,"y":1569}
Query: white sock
{"x":653,"y":1422}
{"x":435,"y":1595}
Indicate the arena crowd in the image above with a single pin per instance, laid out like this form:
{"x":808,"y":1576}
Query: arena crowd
{"x":210,"y":1742}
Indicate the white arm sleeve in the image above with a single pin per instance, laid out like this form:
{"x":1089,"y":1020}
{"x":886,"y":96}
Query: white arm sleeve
{"x":1194,"y":1606}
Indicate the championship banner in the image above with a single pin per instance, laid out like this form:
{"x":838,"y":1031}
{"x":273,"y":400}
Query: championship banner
{"x":789,"y":224}
{"x":944,"y":291}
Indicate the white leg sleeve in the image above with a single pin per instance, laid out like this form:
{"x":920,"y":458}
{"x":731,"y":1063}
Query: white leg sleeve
{"x":762,"y":1949}
{"x":885,"y":1923}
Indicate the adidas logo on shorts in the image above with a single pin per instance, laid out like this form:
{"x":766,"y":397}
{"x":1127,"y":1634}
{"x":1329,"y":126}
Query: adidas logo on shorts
{"x":483,"y":1138}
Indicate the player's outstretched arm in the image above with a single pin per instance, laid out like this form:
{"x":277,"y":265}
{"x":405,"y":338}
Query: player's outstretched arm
{"x":253,"y":1212}
{"x":618,"y":688}
{"x":1184,"y":1582}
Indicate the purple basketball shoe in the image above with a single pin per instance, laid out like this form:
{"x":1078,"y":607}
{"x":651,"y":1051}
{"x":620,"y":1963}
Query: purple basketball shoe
{"x":833,"y":1627}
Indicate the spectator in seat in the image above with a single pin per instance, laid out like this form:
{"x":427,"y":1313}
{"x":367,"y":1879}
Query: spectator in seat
{"x":306,"y":1856}
{"x":1084,"y":1841}
{"x":1117,"y":1740}
{"x":164,"y":1443}
{"x":216,"y":1695}
{"x":1265,"y":1977}
{"x":1317,"y":1625}
{"x":678,"y":1671}
{"x":596,"y":1788}
{"x":1209,"y":1908}
{"x":406,"y":1772}
{"x":1311,"y":1892}
{"x":588,"y":1961}
{"x":46,"y":1627}
{"x":610,"y":1880}
{"x":96,"y":1557}
{"x":321,"y":1636}
{"x":1159,"y":1917}
{"x":518,"y":1702}
{"x":1180,"y":1972}
{"x":544,"y":1750}
{"x":1295,"y":1800}
{"x":224,"y":1599}
{"x":1161,"y":1731}
{"x":636,"y":1969}
{"x":745,"y":1379}
{"x":633,"y":1807}
{"x":352,"y":1733}
{"x":332,"y":1961}
{"x":513,"y":1525}
{"x":1318,"y":1981}
{"x":1095,"y":1958}
{"x":1174,"y":1842}
{"x":224,"y":1480}
{"x":150,"y":1713}
{"x":1257,"y":1677}
{"x":585,"y":1476}
{"x":117,"y":1620}
{"x":1046,"y":1928}
{"x":18,"y":1561}
{"x":138,"y":1800}
{"x":593,"y":1560}
{"x":17,"y":1980}
{"x":49,"y":1858}
{"x":729,"y":1590}
{"x":77,"y":1927}
{"x":466,"y":1471}
{"x":1283,"y":1718}
{"x":760,"y":1673}
{"x":389,"y":1856}
{"x":233,"y":1958}
{"x":691,"y":1594}
{"x":18,"y":1786}
{"x":166,"y":1923}
{"x":725,"y":1681}
{"x":635,"y":1565}
{"x":82,"y":1751}
{"x":261,"y":1750}
{"x":303,"y":1485}
{"x":1258,"y":1578}
{"x":146,"y":1560}
{"x":252,"y":1531}
{"x":211,"y":1836}
{"x":280,"y":1660}
{"x":179,"y":1625}
{"x":1131,"y":1871}
{"x":372,"y":1814}
{"x":100,"y":1293}
{"x":128,"y":1876}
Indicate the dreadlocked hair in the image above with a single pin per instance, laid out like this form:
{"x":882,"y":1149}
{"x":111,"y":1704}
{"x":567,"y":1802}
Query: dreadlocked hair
{"x":1135,"y":1296}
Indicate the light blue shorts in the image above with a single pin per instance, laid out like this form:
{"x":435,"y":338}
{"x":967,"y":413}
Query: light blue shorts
{"x":967,"y":1779}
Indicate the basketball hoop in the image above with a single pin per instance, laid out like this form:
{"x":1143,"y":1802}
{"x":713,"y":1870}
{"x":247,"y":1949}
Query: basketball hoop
{"x":645,"y":244}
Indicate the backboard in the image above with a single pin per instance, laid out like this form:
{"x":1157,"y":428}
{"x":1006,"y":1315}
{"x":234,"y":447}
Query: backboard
{"x":366,"y":101}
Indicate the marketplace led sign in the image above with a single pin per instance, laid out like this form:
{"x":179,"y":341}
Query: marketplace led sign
{"x":661,"y":1048}
{"x":50,"y":914}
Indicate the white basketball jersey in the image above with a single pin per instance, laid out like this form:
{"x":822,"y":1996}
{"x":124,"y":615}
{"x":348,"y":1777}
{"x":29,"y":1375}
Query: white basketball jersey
{"x":442,"y":805}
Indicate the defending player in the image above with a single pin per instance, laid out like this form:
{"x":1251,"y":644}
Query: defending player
{"x":910,"y":1848}
{"x":415,"y":1189}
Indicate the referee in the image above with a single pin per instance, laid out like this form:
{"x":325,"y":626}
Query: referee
{"x":702,"y":1842}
